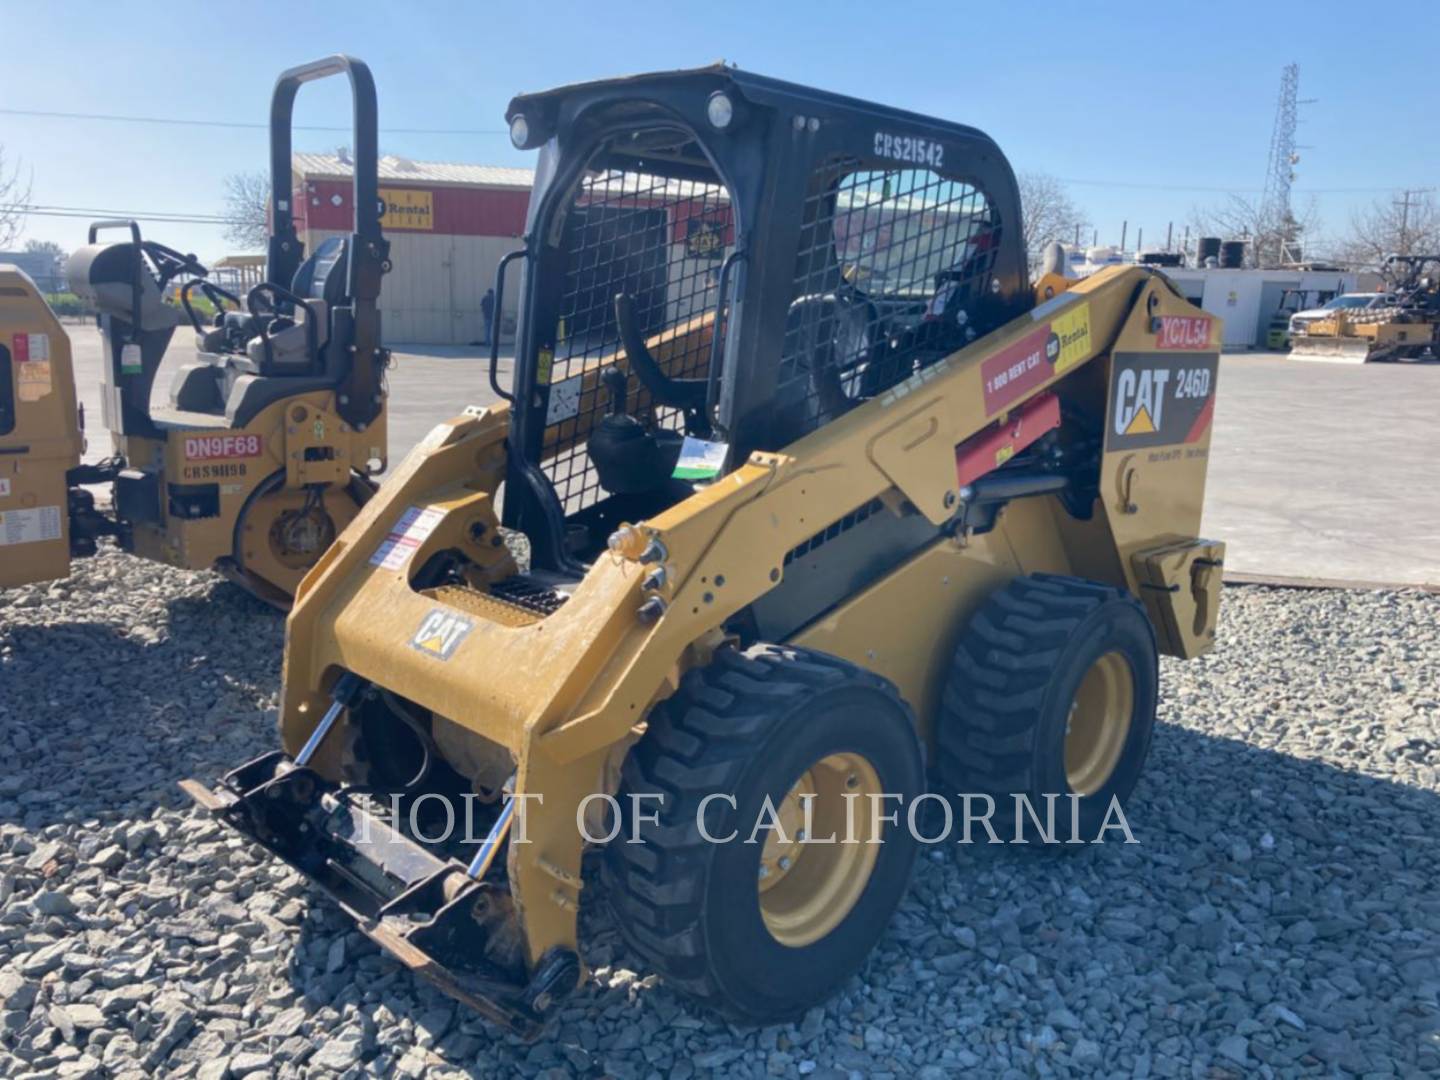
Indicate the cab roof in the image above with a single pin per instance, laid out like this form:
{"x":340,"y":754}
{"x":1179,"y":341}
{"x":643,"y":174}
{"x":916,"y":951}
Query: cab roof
{"x":759,"y":90}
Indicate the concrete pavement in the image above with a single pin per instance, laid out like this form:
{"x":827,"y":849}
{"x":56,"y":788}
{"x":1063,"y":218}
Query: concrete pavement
{"x":1326,"y":470}
{"x":1317,"y":470}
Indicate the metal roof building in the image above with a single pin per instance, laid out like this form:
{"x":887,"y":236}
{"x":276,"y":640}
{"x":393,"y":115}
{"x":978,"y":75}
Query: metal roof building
{"x":448,"y":226}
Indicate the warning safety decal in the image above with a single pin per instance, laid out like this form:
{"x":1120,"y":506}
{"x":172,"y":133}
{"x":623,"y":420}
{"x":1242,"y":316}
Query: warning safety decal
{"x":32,"y":353}
{"x":1049,"y":350}
{"x":29,"y":526}
{"x":1158,"y":399}
{"x":412,"y":530}
{"x":441,"y":633}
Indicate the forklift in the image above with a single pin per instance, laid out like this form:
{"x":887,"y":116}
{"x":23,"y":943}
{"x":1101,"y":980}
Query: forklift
{"x":268,"y":441}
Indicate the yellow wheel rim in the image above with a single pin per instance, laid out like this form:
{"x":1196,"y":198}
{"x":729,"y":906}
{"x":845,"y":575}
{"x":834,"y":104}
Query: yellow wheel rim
{"x":808,"y":883}
{"x":1099,"y":723}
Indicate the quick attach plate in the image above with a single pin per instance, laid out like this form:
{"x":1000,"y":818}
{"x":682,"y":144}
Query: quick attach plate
{"x":460,"y":934}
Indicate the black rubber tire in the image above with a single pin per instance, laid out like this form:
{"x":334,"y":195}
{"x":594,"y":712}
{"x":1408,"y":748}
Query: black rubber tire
{"x":1004,"y":711}
{"x":750,"y":724}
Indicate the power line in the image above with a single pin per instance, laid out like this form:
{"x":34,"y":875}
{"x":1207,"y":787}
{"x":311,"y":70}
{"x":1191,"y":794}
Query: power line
{"x":172,"y":216}
{"x":117,"y":213}
{"x":238,"y":124}
{"x":187,"y":122}
{"x":176,"y":121}
{"x":1216,"y":190}
{"x":1079,"y":182}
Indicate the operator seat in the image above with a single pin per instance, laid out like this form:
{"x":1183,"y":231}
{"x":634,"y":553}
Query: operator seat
{"x":286,"y":346}
{"x":249,"y":361}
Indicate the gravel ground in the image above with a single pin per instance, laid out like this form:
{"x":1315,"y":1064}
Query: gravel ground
{"x":1279,"y":915}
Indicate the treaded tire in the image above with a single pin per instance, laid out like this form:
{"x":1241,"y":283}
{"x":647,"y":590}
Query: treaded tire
{"x":750,"y":724}
{"x":1017,"y":668}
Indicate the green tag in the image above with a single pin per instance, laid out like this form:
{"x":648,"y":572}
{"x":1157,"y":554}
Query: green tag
{"x":700,"y":460}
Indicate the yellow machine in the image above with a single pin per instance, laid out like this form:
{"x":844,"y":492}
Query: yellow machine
{"x":821,"y":503}
{"x":1408,"y":329}
{"x":264,"y":450}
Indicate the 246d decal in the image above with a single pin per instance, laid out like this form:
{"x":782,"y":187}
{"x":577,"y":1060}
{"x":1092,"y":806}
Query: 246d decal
{"x":1159,"y":399}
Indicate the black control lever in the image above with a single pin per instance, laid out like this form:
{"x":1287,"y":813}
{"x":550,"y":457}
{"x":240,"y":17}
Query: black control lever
{"x":618,"y":386}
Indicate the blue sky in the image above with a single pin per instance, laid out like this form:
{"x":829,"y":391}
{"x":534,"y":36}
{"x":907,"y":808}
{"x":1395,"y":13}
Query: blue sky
{"x":1148,"y":110}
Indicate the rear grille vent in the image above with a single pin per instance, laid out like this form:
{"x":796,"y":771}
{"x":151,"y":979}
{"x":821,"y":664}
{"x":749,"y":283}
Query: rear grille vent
{"x":849,"y":521}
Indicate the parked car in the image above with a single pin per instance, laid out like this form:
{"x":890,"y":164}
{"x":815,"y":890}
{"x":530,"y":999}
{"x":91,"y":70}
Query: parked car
{"x":1354,"y":301}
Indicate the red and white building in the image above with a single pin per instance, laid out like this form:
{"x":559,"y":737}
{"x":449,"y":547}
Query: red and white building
{"x":448,"y":226}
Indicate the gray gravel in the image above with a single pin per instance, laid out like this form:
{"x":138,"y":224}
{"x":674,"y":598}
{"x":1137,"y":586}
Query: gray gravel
{"x":1280,"y":914}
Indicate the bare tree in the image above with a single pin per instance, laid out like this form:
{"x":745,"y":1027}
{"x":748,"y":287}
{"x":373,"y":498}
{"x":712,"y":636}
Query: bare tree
{"x":1048,"y":213}
{"x":247,"y":209}
{"x":1404,"y":224}
{"x":14,"y":195}
{"x":1271,"y":240}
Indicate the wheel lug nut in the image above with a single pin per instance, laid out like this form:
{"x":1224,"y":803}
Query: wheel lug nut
{"x":764,"y":870}
{"x":784,"y":862}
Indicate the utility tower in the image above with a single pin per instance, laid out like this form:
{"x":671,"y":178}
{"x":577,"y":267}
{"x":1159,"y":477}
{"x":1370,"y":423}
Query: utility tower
{"x":1278,"y":225}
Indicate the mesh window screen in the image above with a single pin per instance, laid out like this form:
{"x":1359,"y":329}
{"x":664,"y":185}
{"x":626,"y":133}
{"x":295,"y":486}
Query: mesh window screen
{"x":661,"y":241}
{"x":893,"y":269}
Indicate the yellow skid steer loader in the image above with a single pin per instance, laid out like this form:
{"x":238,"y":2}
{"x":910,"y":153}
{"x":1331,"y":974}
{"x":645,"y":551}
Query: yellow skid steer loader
{"x":265,"y":449}
{"x":811,"y":500}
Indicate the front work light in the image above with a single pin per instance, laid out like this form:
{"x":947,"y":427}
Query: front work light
{"x":720,"y":110}
{"x":519,"y":131}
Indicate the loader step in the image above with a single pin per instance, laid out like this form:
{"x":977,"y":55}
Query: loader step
{"x":515,"y":602}
{"x":488,"y":607}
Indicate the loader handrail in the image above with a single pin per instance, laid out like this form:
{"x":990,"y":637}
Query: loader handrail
{"x":495,"y":320}
{"x":717,"y":343}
